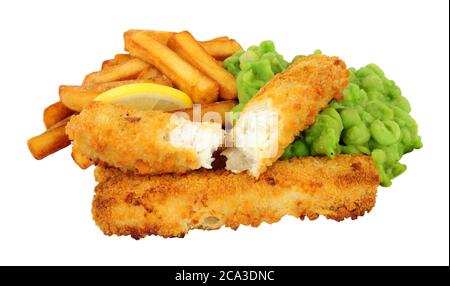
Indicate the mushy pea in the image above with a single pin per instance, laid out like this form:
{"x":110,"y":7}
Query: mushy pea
{"x":253,"y":68}
{"x":372,"y":119}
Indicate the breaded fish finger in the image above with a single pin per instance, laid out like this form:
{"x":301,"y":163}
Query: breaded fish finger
{"x":170,"y":206}
{"x":145,"y":142}
{"x":296,"y":96}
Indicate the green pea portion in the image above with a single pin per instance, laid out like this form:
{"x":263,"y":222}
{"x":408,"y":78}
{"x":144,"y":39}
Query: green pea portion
{"x":385,"y":133}
{"x":323,"y":136}
{"x":297,"y":149}
{"x":373,"y":119}
{"x":350,"y":117}
{"x":356,"y":135}
{"x":300,"y":149}
{"x":253,"y":68}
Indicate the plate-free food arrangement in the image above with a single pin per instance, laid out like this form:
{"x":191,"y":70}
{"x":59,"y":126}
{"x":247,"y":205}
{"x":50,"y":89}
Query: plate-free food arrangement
{"x":188,"y":134}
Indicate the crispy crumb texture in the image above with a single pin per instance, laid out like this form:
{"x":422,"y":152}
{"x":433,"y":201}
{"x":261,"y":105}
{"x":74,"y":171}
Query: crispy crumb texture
{"x":297,"y":95}
{"x":144,"y":142}
{"x":170,"y":206}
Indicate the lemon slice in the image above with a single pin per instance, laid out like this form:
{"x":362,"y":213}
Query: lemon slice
{"x":147,"y":96}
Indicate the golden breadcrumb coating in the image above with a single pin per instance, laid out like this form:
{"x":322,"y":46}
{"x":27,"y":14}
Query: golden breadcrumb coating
{"x":297,"y":95}
{"x":171,"y":205}
{"x":131,"y":140}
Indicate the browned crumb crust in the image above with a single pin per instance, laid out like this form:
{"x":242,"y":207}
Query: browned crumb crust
{"x":128,"y":139}
{"x":299,"y":94}
{"x":170,"y":205}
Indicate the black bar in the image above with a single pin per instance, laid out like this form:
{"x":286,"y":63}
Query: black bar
{"x":219,"y":275}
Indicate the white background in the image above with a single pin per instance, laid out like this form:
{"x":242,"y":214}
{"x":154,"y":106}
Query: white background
{"x":45,"y":206}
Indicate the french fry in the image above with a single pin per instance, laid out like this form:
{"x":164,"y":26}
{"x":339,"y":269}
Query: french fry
{"x":190,"y":50}
{"x":221,"y":49}
{"x":221,"y":107}
{"x":106,"y":64}
{"x":118,"y":59}
{"x":55,"y":113}
{"x":52,"y":140}
{"x":222,"y":38}
{"x":82,"y":161}
{"x":153,"y":74}
{"x":137,"y":51}
{"x":149,"y":72}
{"x":187,"y":78}
{"x":78,"y":97}
{"x":160,"y":36}
{"x":124,"y":71}
{"x":121,"y":58}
